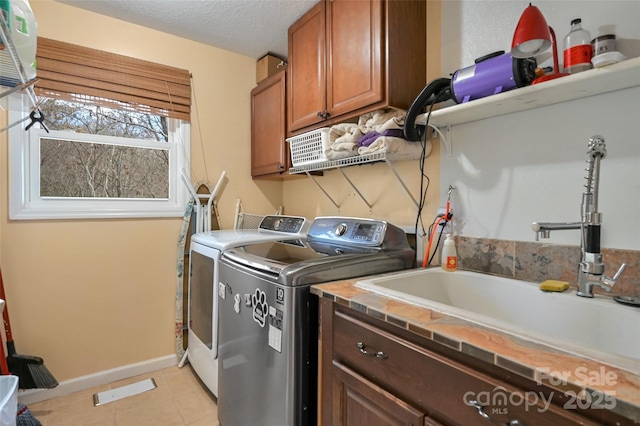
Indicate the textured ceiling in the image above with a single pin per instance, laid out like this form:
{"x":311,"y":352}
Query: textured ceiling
{"x":248,"y":27}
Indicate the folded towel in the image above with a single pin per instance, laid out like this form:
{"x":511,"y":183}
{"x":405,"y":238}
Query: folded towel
{"x":381,"y":120}
{"x":343,"y":141}
{"x":377,"y":131}
{"x":394,"y":145}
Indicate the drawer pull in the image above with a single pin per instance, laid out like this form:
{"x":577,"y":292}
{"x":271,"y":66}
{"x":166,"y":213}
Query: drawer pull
{"x":484,"y":415}
{"x":363,"y":351}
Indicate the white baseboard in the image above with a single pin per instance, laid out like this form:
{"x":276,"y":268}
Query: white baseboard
{"x":31,"y":396}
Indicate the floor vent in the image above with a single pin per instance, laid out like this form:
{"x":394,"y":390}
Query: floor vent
{"x":111,"y":395}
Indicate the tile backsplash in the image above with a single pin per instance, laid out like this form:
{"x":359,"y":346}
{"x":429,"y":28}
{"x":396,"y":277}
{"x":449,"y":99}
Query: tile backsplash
{"x":536,"y":262}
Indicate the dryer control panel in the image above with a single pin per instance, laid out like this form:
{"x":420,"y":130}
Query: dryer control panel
{"x":288,"y":224}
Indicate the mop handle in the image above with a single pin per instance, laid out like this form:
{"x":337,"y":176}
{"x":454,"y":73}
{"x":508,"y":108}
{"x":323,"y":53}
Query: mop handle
{"x":5,"y":312}
{"x":4,"y":366}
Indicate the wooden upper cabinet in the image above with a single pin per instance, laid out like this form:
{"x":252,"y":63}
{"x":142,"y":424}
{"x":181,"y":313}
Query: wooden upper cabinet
{"x":306,"y":78}
{"x":354,"y":55}
{"x":349,"y":57}
{"x":269,"y":154}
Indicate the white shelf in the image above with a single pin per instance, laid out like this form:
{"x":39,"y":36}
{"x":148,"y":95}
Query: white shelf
{"x":350,"y":161}
{"x":610,"y":78}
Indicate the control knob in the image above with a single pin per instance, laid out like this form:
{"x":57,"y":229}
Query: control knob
{"x":341,"y":229}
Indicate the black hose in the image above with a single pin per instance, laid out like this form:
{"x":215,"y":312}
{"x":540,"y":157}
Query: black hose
{"x":432,"y":93}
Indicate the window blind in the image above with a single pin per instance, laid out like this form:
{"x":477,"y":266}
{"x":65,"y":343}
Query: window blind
{"x":81,"y":74}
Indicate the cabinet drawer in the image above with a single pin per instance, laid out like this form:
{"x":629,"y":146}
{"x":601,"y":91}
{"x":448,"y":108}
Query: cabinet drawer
{"x":444,"y":388}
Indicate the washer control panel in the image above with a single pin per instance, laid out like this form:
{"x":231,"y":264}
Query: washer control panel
{"x":350,"y":231}
{"x":288,"y":224}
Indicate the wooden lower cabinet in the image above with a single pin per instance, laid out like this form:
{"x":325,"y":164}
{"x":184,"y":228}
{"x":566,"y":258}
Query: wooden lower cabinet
{"x":371,"y":375}
{"x":359,"y":402}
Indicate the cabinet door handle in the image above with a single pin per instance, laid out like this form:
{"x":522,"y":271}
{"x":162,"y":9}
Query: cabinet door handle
{"x":363,"y":350}
{"x":484,"y":415}
{"x":280,"y":166}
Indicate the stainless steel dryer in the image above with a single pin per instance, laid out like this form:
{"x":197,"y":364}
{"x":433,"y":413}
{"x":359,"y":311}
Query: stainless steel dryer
{"x":268,"y":317}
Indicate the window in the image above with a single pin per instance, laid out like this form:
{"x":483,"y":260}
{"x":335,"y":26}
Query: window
{"x":106,"y":176}
{"x":108,"y":154}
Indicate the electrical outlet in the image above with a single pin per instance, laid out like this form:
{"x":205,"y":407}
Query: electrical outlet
{"x":447,"y":225}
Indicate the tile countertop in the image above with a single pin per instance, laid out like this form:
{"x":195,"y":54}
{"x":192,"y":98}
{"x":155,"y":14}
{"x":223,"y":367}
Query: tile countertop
{"x":564,"y":371}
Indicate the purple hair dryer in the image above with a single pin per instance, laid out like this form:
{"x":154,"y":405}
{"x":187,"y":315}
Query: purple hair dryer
{"x":491,"y":74}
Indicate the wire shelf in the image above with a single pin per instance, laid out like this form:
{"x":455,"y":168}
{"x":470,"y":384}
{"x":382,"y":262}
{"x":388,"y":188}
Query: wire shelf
{"x":351,"y":161}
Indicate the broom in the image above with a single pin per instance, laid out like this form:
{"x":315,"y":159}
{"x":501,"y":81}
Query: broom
{"x":31,"y":371}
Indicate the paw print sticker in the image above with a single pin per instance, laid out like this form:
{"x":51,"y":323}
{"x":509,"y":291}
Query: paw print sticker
{"x":260,"y":307}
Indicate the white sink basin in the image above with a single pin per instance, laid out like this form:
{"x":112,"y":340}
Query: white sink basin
{"x":598,"y":328}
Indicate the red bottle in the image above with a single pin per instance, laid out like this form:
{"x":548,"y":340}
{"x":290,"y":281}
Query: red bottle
{"x":577,"y":49}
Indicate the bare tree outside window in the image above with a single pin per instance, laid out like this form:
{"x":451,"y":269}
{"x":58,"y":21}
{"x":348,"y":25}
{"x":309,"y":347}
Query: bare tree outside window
{"x":77,"y":168}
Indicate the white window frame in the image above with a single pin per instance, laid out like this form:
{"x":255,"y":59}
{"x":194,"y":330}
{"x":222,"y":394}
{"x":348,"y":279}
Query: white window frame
{"x":24,"y":175}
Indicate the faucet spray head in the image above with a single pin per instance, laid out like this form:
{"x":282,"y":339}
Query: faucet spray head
{"x":597,"y":146}
{"x":597,"y":150}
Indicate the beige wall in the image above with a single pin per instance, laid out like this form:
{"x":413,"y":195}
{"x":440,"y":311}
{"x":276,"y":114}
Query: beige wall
{"x":91,"y":295}
{"x":377,"y":184}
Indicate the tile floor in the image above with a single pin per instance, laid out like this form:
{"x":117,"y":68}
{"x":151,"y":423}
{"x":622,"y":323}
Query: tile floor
{"x":180,"y":399}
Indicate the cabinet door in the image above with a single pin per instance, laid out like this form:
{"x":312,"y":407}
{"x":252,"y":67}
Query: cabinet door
{"x":355,"y":55}
{"x":307,"y":93}
{"x":268,"y":120}
{"x":358,"y":402}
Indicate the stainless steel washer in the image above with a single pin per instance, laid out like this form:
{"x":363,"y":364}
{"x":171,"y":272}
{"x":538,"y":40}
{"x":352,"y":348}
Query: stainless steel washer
{"x":269,"y":320}
{"x":206,"y":248}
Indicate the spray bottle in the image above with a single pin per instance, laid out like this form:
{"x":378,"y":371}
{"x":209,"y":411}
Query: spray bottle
{"x":24,"y":35}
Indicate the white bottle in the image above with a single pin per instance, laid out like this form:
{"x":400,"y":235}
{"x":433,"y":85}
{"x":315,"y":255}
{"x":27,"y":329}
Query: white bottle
{"x":577,"y":49}
{"x":449,"y":261}
{"x":24,"y":35}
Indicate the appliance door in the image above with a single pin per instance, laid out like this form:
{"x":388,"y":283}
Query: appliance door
{"x":203,"y":314}
{"x":267,"y":350}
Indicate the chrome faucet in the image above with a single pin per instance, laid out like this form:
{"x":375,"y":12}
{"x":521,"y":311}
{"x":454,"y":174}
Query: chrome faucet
{"x":543,"y":229}
{"x":591,"y":268}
